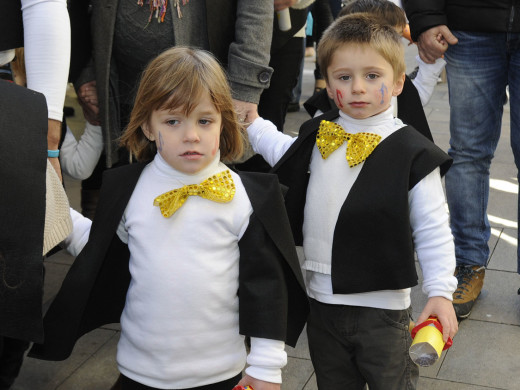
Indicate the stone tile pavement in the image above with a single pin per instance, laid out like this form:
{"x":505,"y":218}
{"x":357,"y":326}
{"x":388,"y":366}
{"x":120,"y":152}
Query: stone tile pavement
{"x":486,"y":351}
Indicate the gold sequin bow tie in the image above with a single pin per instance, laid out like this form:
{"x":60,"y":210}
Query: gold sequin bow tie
{"x":359,"y":146}
{"x":218,"y":188}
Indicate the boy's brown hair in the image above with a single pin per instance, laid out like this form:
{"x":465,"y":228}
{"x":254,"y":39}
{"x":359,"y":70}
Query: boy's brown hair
{"x":387,"y":12}
{"x":175,"y":79}
{"x":362,"y":29}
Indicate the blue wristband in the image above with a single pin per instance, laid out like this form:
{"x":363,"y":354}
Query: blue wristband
{"x":53,"y":153}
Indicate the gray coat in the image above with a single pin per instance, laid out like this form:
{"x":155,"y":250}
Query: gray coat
{"x":239,"y":33}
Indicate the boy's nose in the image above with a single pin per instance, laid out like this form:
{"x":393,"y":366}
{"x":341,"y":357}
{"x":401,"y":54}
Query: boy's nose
{"x":358,"y":86}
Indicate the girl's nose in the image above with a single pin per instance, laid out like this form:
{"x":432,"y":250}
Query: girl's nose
{"x":191,"y":134}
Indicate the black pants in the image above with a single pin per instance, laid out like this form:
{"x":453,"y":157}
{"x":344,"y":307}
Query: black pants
{"x":286,"y":64}
{"x":352,"y":346}
{"x":11,"y":358}
{"x":129,"y":384}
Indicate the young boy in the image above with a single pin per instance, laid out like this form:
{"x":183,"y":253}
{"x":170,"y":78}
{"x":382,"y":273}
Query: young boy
{"x":361,"y":218}
{"x":408,"y":106}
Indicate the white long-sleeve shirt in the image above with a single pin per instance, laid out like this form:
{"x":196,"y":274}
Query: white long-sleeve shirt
{"x":47,"y":50}
{"x":329,"y":184}
{"x":173,"y":334}
{"x":427,"y":78}
{"x":79,"y":158}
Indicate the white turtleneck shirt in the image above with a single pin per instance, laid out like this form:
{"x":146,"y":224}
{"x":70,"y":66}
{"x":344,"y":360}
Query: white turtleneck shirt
{"x":329,"y":185}
{"x":180,"y":325}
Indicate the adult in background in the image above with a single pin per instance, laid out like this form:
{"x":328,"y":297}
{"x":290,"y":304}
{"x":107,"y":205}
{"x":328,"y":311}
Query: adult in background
{"x":125,"y":36}
{"x":287,"y":50}
{"x":30,"y":124}
{"x":480,"y":43}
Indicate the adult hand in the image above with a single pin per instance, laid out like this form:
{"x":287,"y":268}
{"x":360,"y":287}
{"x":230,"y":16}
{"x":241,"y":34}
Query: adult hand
{"x":88,"y":100}
{"x":246,"y":112}
{"x":441,"y":308}
{"x":258,"y":384}
{"x":283,"y":4}
{"x":53,"y":141}
{"x":433,"y":43}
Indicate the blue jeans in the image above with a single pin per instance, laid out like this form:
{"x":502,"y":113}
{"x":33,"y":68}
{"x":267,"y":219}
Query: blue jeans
{"x":479,"y":68}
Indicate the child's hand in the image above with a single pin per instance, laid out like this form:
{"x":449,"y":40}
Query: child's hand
{"x":441,"y":308}
{"x":87,"y":98}
{"x":257,"y":384}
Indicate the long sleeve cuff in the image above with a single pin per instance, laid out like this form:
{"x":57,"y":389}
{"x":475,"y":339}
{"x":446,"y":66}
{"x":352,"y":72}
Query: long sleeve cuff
{"x":268,"y":141}
{"x":427,"y":77}
{"x":77,"y":240}
{"x":266,"y":360}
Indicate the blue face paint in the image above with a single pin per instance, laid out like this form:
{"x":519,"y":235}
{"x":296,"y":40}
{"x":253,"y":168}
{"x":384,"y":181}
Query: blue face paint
{"x":383,"y":90}
{"x":161,"y":142}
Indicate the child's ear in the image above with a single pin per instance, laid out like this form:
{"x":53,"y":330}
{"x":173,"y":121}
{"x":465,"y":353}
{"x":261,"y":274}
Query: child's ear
{"x":330,"y":93}
{"x":147,"y":133}
{"x":398,"y":85}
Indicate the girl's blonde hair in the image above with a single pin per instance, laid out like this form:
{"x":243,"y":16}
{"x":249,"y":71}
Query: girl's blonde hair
{"x":175,"y":79}
{"x":362,"y":29}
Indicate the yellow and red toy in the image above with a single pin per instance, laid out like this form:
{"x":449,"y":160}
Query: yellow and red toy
{"x":427,"y":343}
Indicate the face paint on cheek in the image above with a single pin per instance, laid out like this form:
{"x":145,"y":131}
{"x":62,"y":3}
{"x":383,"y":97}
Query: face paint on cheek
{"x":215,"y":147}
{"x":383,"y":90}
{"x":339,"y":98}
{"x":161,"y":142}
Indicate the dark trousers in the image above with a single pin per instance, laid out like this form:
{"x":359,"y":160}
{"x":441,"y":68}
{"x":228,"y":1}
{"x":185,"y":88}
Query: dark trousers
{"x":352,"y":346}
{"x":129,"y":384}
{"x":286,"y":64}
{"x":11,"y":358}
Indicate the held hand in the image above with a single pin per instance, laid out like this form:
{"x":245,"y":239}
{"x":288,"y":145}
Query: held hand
{"x":258,"y":384}
{"x":246,"y":112}
{"x":283,"y":4}
{"x":87,"y":98}
{"x":433,"y":43}
{"x":441,"y":308}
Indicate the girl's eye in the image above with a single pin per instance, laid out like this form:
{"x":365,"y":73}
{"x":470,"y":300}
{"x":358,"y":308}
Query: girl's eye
{"x":172,"y":122}
{"x":204,"y":121}
{"x":372,"y":76}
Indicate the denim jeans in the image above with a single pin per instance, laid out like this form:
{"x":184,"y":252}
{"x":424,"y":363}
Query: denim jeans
{"x":479,"y":67}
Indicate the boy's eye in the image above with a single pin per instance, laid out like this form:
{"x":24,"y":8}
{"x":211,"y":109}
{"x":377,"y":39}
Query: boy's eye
{"x":344,"y":78}
{"x":372,"y":76}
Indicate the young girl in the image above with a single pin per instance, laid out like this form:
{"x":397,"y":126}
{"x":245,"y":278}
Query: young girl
{"x":210,"y":254}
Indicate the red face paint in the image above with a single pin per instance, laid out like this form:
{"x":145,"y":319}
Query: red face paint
{"x":215,"y":148}
{"x":339,"y":97}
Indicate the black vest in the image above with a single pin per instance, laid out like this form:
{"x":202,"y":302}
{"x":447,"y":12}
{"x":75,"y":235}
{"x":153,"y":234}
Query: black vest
{"x":372,"y":247}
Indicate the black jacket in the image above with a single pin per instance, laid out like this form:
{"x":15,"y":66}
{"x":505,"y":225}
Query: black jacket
{"x":464,"y":15}
{"x":273,"y":302}
{"x":23,"y":162}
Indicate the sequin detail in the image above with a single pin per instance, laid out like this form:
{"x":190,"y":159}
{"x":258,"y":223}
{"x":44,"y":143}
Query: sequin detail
{"x":218,"y":188}
{"x":359,"y":146}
